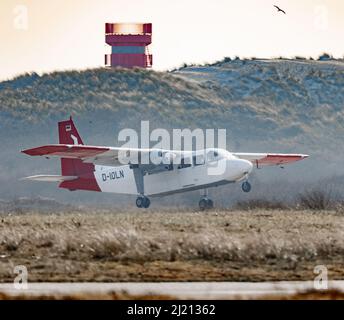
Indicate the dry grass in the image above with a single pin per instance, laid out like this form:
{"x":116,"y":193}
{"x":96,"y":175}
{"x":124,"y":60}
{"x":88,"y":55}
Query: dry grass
{"x":317,"y":199}
{"x":260,"y":204}
{"x":163,"y":246}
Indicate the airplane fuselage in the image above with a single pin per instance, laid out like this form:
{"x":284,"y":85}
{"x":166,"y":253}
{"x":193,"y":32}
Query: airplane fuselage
{"x":180,"y":178}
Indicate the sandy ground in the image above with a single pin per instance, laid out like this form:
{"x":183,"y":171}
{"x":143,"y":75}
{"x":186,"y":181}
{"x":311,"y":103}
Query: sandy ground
{"x":107,"y":246}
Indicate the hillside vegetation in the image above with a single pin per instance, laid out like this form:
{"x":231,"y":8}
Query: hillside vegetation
{"x":290,"y":101}
{"x":265,"y":105}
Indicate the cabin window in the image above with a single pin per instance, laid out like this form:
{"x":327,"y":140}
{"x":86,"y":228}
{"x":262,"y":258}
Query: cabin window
{"x":212,"y":155}
{"x":198,"y":160}
{"x":184,"y":163}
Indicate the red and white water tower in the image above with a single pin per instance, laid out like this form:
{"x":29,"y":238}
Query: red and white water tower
{"x":129,"y":44}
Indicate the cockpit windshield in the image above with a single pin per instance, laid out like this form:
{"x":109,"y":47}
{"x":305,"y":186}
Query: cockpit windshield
{"x":217,"y":154}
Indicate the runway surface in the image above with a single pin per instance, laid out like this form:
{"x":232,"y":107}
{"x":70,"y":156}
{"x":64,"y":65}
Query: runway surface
{"x":181,"y":290}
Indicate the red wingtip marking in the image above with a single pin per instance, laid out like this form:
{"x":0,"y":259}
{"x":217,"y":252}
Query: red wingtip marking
{"x":32,"y":152}
{"x":280,"y":159}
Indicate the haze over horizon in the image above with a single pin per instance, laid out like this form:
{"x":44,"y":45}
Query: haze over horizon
{"x":37,"y":36}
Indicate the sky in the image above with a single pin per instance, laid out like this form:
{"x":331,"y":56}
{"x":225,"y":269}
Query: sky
{"x":48,"y":35}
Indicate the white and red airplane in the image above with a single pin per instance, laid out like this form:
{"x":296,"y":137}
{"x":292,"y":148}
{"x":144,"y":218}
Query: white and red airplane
{"x":96,"y":168}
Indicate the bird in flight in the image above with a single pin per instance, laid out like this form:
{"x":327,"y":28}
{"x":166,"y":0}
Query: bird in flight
{"x":279,"y":9}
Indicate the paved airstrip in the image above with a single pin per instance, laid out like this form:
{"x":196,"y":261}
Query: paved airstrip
{"x":181,"y":290}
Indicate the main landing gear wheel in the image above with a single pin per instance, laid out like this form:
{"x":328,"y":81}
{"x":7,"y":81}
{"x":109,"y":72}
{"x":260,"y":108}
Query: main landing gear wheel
{"x":142,"y":202}
{"x":205,"y":204}
{"x":246,"y":186}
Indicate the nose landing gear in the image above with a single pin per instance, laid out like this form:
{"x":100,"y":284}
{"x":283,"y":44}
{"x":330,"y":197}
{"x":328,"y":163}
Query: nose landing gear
{"x":205,"y":204}
{"x":142,"y":202}
{"x":246,"y":186}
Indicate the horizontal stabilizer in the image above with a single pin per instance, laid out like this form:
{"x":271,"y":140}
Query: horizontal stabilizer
{"x":50,"y":178}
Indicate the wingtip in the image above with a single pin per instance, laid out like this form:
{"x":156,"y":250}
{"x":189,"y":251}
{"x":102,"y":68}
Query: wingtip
{"x":24,"y":151}
{"x":31,"y":152}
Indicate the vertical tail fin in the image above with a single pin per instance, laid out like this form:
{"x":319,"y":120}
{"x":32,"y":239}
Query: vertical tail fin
{"x":68,"y":134}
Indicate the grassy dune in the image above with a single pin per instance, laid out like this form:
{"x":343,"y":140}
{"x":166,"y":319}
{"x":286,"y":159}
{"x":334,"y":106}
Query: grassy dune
{"x":251,"y":245}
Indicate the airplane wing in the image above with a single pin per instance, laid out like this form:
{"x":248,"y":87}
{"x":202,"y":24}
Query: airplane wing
{"x":81,"y":152}
{"x":106,"y":156}
{"x":270,"y":159}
